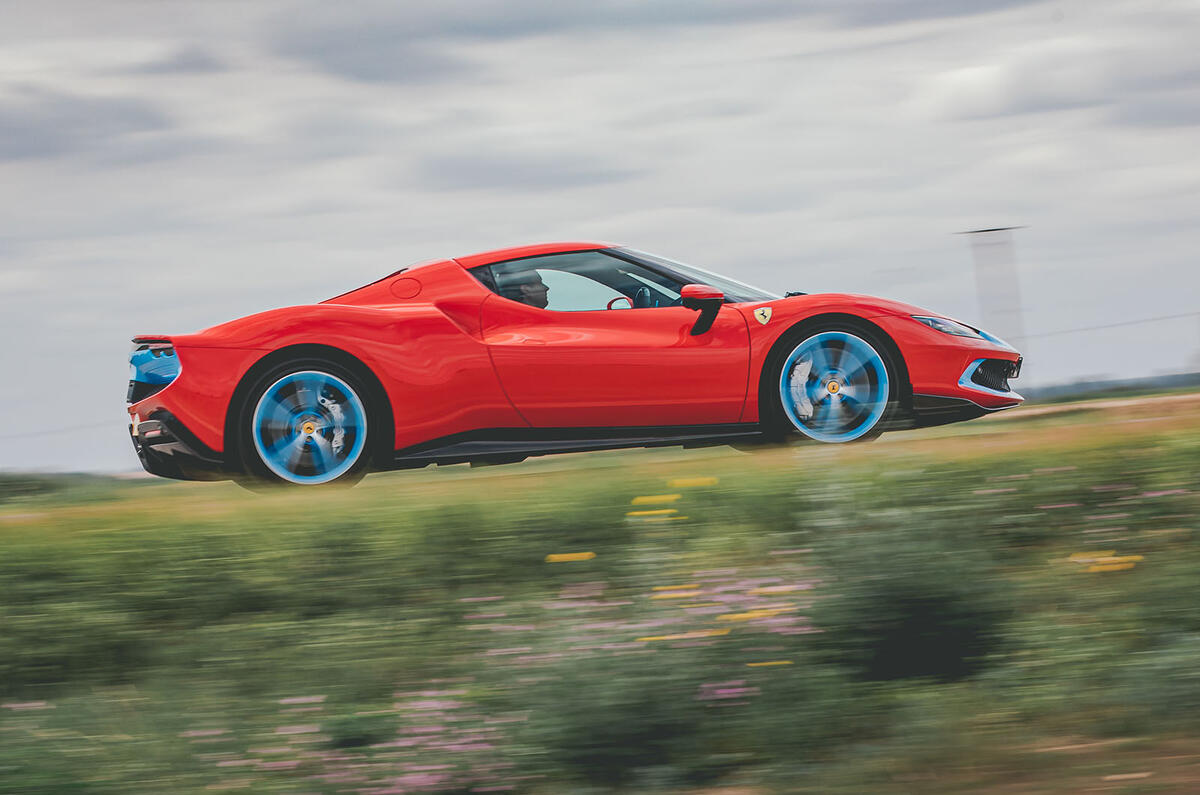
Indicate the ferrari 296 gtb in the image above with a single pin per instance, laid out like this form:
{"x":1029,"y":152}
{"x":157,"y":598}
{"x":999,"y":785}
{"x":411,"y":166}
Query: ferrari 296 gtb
{"x":550,"y":348}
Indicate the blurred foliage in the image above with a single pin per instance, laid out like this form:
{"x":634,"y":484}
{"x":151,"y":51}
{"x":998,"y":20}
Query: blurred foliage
{"x":16,"y":487}
{"x":904,"y":606}
{"x":821,"y":619}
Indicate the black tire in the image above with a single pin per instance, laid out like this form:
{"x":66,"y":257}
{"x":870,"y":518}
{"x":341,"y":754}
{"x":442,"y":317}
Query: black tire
{"x":778,"y":426}
{"x":329,"y":398}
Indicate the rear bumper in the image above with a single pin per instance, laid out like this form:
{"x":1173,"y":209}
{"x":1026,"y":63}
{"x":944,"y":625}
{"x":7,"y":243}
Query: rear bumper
{"x":168,"y":449}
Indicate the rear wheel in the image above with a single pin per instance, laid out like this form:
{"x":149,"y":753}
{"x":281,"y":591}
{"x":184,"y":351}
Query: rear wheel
{"x":306,"y":423}
{"x":833,"y":384}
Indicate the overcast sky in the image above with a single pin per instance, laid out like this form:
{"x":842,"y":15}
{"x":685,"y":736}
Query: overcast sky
{"x":168,"y":166}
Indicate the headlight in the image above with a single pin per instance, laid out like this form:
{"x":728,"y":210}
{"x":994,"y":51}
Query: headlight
{"x":948,"y":327}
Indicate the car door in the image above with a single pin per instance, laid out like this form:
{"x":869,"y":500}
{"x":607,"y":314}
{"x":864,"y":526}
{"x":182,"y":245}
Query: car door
{"x":570,"y":360}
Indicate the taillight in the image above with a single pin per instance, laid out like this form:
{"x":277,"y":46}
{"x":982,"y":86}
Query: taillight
{"x":152,"y":365}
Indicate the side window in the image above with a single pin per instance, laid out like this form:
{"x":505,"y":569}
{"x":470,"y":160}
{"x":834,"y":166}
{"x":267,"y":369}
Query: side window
{"x":570,"y":292}
{"x":579,"y":282}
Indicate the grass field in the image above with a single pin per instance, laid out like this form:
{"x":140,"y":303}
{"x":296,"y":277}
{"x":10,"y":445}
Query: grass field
{"x":1009,"y":606}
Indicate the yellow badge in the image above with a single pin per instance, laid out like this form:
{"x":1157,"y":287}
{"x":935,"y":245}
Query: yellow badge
{"x":762,"y":314}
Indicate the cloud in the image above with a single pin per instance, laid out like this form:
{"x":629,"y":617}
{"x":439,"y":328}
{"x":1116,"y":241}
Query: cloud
{"x":371,"y":53}
{"x":400,"y":43}
{"x":403,"y":43}
{"x":186,"y":60}
{"x":1160,"y":109}
{"x":349,"y":133}
{"x":516,"y":171}
{"x":887,"y":12}
{"x":1048,"y":75}
{"x":38,"y":123}
{"x":1067,"y":68}
{"x":20,"y":280}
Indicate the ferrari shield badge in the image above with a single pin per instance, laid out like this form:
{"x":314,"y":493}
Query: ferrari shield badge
{"x":762,"y":314}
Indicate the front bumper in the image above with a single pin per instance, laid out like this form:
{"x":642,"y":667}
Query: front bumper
{"x":930,"y":410}
{"x":168,"y":449}
{"x":944,"y":366}
{"x":982,"y":389}
{"x":989,"y":377}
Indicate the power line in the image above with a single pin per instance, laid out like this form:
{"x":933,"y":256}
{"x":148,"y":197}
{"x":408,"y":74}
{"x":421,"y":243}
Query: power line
{"x":1114,"y":325}
{"x":54,"y":431}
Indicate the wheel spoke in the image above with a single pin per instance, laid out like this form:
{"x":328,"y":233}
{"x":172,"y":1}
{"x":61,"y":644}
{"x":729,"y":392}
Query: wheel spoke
{"x":323,"y":455}
{"x":281,"y":445}
{"x":836,"y":358}
{"x":305,"y":400}
{"x":291,"y":401}
{"x":295,"y":454}
{"x":280,"y":414}
{"x":309,"y":388}
{"x":855,"y":408}
{"x":838,"y":416}
{"x":276,"y":429}
{"x":859,"y":388}
{"x":287,"y":447}
{"x":853,"y":364}
{"x":873,"y":393}
{"x":823,"y":412}
{"x":820,"y":361}
{"x":333,"y":427}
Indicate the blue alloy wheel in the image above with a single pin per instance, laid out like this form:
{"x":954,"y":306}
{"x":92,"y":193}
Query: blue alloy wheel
{"x":834,"y":387}
{"x":309,"y":427}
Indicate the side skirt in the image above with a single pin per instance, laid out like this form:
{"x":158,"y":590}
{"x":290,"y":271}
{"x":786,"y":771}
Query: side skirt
{"x":509,"y":445}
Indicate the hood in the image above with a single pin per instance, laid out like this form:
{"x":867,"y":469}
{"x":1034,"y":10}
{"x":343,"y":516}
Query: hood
{"x":865,"y":305}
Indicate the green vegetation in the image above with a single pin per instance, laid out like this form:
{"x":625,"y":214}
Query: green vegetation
{"x":1007,"y":606}
{"x":15,"y":487}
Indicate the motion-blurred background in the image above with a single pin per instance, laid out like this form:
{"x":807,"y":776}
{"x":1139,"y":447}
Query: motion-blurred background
{"x":168,"y":166}
{"x":1002,"y":606}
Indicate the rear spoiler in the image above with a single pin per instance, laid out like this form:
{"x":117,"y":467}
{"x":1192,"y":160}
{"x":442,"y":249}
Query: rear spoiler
{"x":143,"y":339}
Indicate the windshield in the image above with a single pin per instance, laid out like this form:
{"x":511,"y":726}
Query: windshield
{"x":735,"y":291}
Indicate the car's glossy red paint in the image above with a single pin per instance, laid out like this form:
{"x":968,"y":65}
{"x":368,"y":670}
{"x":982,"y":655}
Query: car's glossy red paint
{"x":621,"y":368}
{"x":454,"y":357}
{"x":701,"y":292}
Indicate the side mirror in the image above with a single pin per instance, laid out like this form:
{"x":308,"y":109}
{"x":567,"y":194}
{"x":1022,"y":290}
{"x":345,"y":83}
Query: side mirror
{"x":615,"y":303}
{"x":705,"y":300}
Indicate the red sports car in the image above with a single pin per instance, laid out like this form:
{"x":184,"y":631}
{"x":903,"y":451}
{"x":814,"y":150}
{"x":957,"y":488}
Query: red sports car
{"x":550,"y":348}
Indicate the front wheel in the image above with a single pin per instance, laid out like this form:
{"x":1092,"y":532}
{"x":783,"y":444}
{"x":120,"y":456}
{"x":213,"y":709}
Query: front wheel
{"x":835,"y":386}
{"x":306,"y":424}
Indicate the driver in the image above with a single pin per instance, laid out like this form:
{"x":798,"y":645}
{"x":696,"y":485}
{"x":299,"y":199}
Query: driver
{"x":528,"y":288}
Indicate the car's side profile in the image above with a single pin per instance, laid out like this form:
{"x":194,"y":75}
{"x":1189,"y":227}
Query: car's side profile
{"x":556,"y":347}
